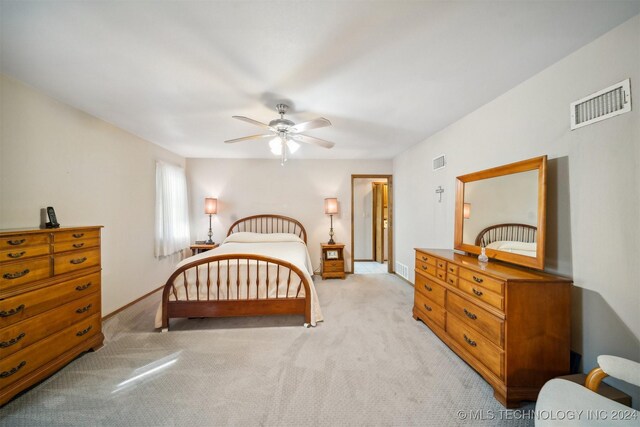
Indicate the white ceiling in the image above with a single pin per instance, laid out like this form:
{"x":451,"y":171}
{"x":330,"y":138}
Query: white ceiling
{"x":387,"y":74}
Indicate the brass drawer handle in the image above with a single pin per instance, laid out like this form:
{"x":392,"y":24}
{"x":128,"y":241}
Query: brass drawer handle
{"x":78,"y":235}
{"x":424,"y":258}
{"x":13,"y":311}
{"x":471,"y":342}
{"x":10,"y":276}
{"x":470,"y":315}
{"x":84,"y":331}
{"x":477,"y":292}
{"x":16,"y":242}
{"x":424,"y":267}
{"x":451,"y":270}
{"x":84,"y":309}
{"x":83,"y":287}
{"x":452,"y":280}
{"x":429,"y":288}
{"x":478,"y":279}
{"x":12,"y":341}
{"x":5,"y":374}
{"x":427,"y":307}
{"x":16,"y":254}
{"x":78,"y":260}
{"x":78,"y":245}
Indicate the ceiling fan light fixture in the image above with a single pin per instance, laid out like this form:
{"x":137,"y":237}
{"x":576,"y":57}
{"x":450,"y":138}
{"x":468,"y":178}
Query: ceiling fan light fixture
{"x":292,"y":146}
{"x":276,"y":146}
{"x":286,"y":136}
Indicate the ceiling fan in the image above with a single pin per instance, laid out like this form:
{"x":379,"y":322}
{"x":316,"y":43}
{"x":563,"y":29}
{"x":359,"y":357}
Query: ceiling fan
{"x":285,"y":134}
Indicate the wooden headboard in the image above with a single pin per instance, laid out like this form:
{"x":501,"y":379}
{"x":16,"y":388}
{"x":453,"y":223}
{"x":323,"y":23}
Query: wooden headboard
{"x":509,"y":232}
{"x":269,"y":224}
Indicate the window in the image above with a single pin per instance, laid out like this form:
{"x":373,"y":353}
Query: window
{"x":172,"y":212}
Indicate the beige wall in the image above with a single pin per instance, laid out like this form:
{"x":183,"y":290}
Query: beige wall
{"x":92,"y":173}
{"x":253,"y":186}
{"x":594,"y":177}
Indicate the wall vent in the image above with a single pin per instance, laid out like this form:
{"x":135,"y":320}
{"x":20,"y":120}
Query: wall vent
{"x":402,"y":270}
{"x":609,"y":102}
{"x":439,"y":162}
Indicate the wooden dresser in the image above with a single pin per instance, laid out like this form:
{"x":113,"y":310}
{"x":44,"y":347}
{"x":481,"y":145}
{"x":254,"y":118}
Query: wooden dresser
{"x":49,"y":302}
{"x":512,"y":325}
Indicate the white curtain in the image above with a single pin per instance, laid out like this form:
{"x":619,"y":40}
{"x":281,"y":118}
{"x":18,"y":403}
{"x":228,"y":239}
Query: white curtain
{"x":172,"y":212}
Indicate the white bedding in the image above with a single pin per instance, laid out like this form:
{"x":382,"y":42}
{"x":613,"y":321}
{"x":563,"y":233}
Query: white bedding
{"x":283,"y":246}
{"x":521,"y":248}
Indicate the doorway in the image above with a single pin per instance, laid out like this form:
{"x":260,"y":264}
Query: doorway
{"x":371,"y":224}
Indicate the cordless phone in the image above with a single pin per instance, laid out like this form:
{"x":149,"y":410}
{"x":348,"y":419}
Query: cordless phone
{"x":53,"y":221}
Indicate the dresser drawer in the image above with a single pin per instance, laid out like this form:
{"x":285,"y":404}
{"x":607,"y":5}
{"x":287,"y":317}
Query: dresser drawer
{"x":28,"y":304}
{"x":425,"y":268}
{"x":442,"y":265}
{"x":74,"y":245}
{"x":427,"y":259}
{"x":441,"y":274}
{"x":489,"y":325}
{"x":486,"y":282}
{"x":19,"y":272}
{"x":21,"y":363}
{"x":481,"y":293}
{"x":432,"y":290}
{"x":22,"y":240}
{"x":473,"y":342}
{"x":333,"y":266}
{"x":23,"y":253}
{"x":452,"y":279}
{"x":27,"y":332}
{"x":432,"y":310}
{"x":452,"y":269}
{"x":72,"y":261}
{"x":75,"y":235}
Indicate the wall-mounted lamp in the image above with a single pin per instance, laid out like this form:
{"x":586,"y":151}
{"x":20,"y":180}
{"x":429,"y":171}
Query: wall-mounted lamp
{"x":331,"y":208}
{"x":210,"y":208}
{"x":466,"y":210}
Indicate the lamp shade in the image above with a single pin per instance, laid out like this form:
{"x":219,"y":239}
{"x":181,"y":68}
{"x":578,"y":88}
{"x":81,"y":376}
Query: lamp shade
{"x":331,"y":206}
{"x":210,"y":206}
{"x":466,"y":210}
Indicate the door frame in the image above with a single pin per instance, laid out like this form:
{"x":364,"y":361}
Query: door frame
{"x":390,"y":254}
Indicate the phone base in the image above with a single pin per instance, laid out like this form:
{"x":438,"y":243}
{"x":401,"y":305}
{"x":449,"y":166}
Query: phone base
{"x":50,"y":225}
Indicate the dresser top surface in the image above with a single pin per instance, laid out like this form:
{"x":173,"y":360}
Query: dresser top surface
{"x":31,"y":230}
{"x":494,"y":268}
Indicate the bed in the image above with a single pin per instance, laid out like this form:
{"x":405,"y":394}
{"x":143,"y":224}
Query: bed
{"x":261,"y":268}
{"x":513,"y":238}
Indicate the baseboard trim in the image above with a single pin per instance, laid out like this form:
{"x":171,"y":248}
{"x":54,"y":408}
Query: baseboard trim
{"x":403,"y":279}
{"x":124,"y":307}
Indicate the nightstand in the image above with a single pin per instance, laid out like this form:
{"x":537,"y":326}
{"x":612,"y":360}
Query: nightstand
{"x":333,"y":261}
{"x":199,"y":248}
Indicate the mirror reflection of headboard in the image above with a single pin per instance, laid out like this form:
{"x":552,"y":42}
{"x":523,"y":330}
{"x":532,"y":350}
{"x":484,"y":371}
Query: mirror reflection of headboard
{"x":504,"y":210}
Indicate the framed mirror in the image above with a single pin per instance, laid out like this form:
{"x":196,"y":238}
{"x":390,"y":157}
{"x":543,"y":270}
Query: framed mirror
{"x":504,"y":210}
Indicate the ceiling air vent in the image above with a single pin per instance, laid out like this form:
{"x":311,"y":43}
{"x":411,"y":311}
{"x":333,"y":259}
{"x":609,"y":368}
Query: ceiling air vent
{"x":601,"y":105}
{"x":439,"y":162}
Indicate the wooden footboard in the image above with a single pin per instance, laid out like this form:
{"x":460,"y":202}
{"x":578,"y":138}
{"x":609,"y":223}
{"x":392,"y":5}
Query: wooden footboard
{"x":234,"y":285}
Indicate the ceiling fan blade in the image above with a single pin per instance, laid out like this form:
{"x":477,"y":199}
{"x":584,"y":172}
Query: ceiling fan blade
{"x":306,"y":139}
{"x":247,"y":138}
{"x":311,"y":124}
{"x":254,"y":122}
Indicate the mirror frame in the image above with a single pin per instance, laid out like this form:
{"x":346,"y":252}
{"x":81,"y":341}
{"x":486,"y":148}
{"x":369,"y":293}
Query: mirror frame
{"x":537,"y":163}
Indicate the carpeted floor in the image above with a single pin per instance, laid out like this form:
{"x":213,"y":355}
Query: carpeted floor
{"x":368,"y":363}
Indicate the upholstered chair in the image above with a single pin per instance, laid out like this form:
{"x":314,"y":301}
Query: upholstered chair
{"x":565,"y":403}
